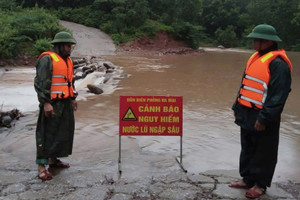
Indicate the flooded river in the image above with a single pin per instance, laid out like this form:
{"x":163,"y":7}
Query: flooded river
{"x":208,"y":83}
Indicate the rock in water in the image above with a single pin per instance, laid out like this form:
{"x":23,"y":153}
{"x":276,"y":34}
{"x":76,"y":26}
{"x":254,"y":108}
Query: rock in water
{"x":94,"y":89}
{"x":221,"y":47}
{"x":6,"y":120}
{"x":109,"y":65}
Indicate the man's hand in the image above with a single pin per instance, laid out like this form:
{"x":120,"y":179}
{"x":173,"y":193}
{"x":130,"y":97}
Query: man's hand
{"x":48,"y":109}
{"x":259,"y":126}
{"x":74,"y":104}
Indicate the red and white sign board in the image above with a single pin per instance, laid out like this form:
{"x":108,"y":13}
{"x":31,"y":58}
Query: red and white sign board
{"x":151,"y":115}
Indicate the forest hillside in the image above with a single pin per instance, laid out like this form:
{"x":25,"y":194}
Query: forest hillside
{"x":28,"y":25}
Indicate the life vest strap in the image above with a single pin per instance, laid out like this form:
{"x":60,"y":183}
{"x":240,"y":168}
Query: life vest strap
{"x":57,"y":92}
{"x":59,"y":76}
{"x":264,"y":84}
{"x":251,"y":100}
{"x":252,"y":89}
{"x":60,"y":84}
{"x":254,"y":79}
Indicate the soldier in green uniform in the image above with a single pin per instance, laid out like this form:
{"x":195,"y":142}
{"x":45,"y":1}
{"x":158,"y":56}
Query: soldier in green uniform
{"x":265,"y":87}
{"x":55,"y":90}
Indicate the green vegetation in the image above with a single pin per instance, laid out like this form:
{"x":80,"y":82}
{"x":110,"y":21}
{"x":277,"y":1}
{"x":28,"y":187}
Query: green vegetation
{"x":25,"y":30}
{"x":196,"y":22}
{"x":28,"y":25}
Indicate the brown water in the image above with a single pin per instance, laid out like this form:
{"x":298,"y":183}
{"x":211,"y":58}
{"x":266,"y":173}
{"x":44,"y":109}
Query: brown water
{"x":208,"y":84}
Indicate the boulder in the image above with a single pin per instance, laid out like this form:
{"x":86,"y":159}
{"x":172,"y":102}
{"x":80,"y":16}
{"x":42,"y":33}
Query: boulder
{"x":221,"y":47}
{"x":79,"y":61}
{"x":110,"y":70}
{"x":6,"y":121}
{"x":94,"y":89}
{"x":84,"y":68}
{"x":87,"y":72}
{"x":109,"y":65}
{"x":78,"y":65}
{"x":90,"y":67}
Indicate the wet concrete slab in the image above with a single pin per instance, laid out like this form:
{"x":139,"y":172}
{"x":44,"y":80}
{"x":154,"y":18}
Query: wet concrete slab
{"x":78,"y":183}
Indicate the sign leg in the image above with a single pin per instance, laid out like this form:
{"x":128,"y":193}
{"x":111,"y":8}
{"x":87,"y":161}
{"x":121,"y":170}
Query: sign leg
{"x":180,"y":162}
{"x":119,"y":162}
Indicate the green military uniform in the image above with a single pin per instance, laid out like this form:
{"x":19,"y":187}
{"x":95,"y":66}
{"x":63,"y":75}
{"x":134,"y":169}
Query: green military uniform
{"x":54,"y":134}
{"x":259,"y":152}
{"x":258,"y":157}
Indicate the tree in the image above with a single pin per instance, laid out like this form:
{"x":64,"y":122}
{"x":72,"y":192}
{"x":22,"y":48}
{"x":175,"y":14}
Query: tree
{"x":220,"y":14}
{"x":192,"y":35}
{"x":279,"y":14}
{"x":226,"y":37}
{"x":7,"y":5}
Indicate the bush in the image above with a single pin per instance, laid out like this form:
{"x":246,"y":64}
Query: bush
{"x":226,"y":37}
{"x":151,"y":27}
{"x":20,"y":29}
{"x":83,"y":15}
{"x":35,"y":23}
{"x":108,"y":27}
{"x":8,"y":5}
{"x":190,"y":34}
{"x":12,"y":46}
{"x":41,"y":46}
{"x":296,"y":47}
{"x":119,"y":38}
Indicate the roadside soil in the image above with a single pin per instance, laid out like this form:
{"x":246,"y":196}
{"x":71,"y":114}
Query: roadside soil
{"x":162,"y":44}
{"x":21,"y":60}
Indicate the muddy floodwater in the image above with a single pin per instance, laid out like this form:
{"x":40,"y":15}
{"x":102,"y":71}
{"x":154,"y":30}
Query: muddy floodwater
{"x":208,"y":84}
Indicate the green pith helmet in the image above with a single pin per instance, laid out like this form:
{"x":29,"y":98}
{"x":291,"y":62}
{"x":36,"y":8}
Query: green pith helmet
{"x":264,"y":31}
{"x":63,"y":37}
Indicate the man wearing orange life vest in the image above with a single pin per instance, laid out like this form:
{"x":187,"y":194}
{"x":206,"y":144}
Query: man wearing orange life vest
{"x":55,"y":90}
{"x":265,"y":86}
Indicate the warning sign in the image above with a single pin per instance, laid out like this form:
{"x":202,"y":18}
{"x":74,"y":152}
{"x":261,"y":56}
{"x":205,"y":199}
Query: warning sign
{"x":129,"y":115}
{"x":151,"y":115}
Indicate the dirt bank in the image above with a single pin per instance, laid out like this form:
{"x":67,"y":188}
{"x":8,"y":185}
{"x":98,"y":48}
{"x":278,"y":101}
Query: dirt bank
{"x":21,"y":60}
{"x":162,"y":44}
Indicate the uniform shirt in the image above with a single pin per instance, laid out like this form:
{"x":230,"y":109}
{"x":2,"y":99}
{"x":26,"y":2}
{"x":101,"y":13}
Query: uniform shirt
{"x":278,"y":91}
{"x":43,"y":79}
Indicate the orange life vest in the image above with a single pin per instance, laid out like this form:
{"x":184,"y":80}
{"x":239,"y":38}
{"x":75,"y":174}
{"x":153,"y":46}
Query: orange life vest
{"x":62,"y":76}
{"x":254,"y":89}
